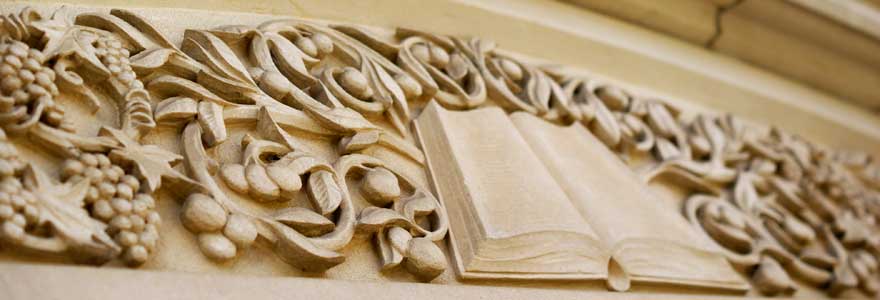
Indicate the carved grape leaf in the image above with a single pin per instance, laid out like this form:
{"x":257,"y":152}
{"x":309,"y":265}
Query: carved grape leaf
{"x":62,"y":206}
{"x":151,"y":163}
{"x":64,"y":40}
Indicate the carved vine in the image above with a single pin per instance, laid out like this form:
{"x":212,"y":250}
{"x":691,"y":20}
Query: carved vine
{"x":778,"y":206}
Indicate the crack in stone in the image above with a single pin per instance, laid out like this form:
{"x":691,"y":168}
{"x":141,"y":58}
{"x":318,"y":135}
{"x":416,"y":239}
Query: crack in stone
{"x":719,"y":12}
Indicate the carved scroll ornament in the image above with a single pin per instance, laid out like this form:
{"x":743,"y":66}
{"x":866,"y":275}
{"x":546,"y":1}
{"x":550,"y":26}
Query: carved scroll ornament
{"x":780,"y":207}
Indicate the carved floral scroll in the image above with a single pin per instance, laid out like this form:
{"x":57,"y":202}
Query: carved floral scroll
{"x":780,"y":208}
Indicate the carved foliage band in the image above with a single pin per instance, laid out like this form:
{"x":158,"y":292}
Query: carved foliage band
{"x":779,"y":206}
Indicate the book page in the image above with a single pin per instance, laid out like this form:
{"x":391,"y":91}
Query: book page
{"x":514,"y":214}
{"x":648,"y":240}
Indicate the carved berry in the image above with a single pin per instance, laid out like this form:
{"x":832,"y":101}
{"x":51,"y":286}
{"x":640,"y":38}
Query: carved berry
{"x":202,"y":214}
{"x":380,"y":187}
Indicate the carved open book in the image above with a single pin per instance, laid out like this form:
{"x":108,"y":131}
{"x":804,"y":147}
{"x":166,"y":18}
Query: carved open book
{"x":528,"y":199}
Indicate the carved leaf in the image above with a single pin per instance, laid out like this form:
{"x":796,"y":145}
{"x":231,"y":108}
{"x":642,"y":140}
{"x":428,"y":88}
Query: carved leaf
{"x":359,"y":141}
{"x":233,"y":175}
{"x":62,"y":207}
{"x":289,"y":60}
{"x":744,"y":193}
{"x":605,"y":125}
{"x":372,"y":219}
{"x":297,"y":250}
{"x":150,"y":60}
{"x":388,"y":243}
{"x":175,"y":110}
{"x":661,"y":121}
{"x":324,"y":192}
{"x":64,"y":41}
{"x":419,"y":205}
{"x":770,"y":278}
{"x":305,"y":221}
{"x":213,"y":125}
{"x":212,"y":51}
{"x":151,"y":163}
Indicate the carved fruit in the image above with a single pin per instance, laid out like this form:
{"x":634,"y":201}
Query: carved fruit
{"x":613,"y":97}
{"x":233,"y":175}
{"x":511,"y":69}
{"x":27,"y":89}
{"x":355,"y":83}
{"x":275,"y":84}
{"x":323,"y":43}
{"x":136,"y":255}
{"x":216,"y":246}
{"x":286,"y":178}
{"x":201,"y":213}
{"x":380,"y":187}
{"x":411,"y":88}
{"x":307,"y":46}
{"x":240,"y":230}
{"x":421,"y":52}
{"x":261,"y":186}
{"x":438,"y":56}
{"x":424,"y":259}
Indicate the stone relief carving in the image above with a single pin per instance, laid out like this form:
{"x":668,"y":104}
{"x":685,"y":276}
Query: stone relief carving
{"x":245,"y":105}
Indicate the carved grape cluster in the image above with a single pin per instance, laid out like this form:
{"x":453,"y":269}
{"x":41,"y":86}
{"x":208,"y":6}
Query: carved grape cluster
{"x":18,"y":211}
{"x":114,"y":197}
{"x":110,"y":51}
{"x":27,"y":89}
